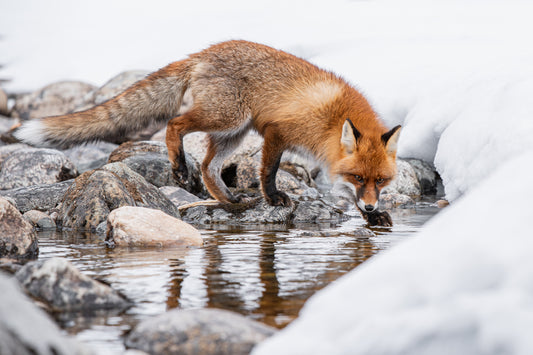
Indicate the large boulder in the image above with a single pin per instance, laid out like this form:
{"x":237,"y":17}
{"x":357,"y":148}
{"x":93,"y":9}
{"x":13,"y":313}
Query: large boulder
{"x":199,"y":331}
{"x":62,"y":287}
{"x":55,"y":99}
{"x":35,"y":166}
{"x":17,"y":237}
{"x":94,"y":194}
{"x":27,"y":330}
{"x":144,"y":227}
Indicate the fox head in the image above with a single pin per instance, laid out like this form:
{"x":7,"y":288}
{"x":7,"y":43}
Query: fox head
{"x":367,"y":164}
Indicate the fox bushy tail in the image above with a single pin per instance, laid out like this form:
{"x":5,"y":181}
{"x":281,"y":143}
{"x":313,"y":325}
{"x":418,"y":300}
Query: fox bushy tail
{"x":156,"y":98}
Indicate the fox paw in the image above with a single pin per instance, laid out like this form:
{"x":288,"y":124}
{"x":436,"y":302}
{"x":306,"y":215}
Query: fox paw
{"x":279,"y":198}
{"x":378,"y":218}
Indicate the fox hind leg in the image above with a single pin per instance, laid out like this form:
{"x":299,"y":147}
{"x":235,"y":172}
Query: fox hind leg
{"x":272,"y":152}
{"x":220,"y":146}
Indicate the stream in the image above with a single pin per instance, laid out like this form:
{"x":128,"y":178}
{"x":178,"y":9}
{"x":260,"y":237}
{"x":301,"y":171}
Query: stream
{"x":265,"y":272}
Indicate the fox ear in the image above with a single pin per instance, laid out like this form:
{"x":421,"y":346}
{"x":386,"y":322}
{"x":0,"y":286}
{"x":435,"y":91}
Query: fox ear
{"x":390,"y":139}
{"x":350,"y":136}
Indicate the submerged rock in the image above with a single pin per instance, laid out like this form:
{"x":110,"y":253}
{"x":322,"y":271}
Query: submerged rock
{"x":62,"y":287}
{"x":39,"y":219}
{"x":17,"y":237}
{"x":35,"y":166}
{"x":27,"y":330}
{"x":143,"y":227}
{"x":198,"y":331}
{"x":94,"y":194}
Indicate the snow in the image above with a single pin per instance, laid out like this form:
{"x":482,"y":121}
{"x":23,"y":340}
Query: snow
{"x":463,"y":285}
{"x":457,"y":74}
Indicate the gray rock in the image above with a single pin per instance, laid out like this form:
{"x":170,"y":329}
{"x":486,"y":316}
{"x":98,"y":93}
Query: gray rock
{"x":17,"y":237}
{"x":62,"y":287}
{"x":37,"y":197}
{"x":6,"y":123}
{"x":259,"y":212}
{"x":90,"y":156}
{"x":426,"y":174}
{"x":406,"y":181}
{"x":35,"y":166}
{"x":394,"y":200}
{"x":150,"y":159}
{"x":55,"y":99}
{"x":27,"y":330}
{"x":201,"y":331}
{"x":95,"y":193}
{"x":178,"y":195}
{"x":39,"y":219}
{"x":7,"y":150}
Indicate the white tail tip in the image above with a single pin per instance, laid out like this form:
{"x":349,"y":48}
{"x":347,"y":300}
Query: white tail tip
{"x":32,"y":132}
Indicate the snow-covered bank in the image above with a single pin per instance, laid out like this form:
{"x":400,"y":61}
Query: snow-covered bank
{"x":464,"y":285}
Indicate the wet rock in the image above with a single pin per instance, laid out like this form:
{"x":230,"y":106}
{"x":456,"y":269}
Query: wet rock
{"x":406,"y":181}
{"x":150,"y":159}
{"x":55,"y":99}
{"x":178,"y":195}
{"x":37,"y":197}
{"x":143,"y":227}
{"x":200,"y":331}
{"x":39,"y":219}
{"x":259,"y":212}
{"x":35,"y":166}
{"x":426,"y":174}
{"x":27,"y":330}
{"x":62,"y":287}
{"x":95,"y":193}
{"x":17,"y":237}
{"x":90,"y":156}
{"x":3,"y":103}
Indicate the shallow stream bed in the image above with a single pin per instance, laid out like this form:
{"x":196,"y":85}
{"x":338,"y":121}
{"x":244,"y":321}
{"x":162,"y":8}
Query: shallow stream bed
{"x":264,"y":272}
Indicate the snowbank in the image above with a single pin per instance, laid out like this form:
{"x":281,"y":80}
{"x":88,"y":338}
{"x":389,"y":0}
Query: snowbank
{"x":455,"y":73}
{"x":464,"y":285}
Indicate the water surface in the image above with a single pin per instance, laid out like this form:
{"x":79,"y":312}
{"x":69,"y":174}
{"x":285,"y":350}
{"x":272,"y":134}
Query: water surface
{"x":263,"y":272}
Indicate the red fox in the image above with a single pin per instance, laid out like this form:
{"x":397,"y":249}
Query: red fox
{"x":238,"y":86}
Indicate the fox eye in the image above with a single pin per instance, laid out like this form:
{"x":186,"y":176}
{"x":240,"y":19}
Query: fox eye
{"x":358,"y":178}
{"x":380,"y":181}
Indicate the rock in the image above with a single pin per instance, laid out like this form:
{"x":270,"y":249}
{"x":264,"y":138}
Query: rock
{"x":17,"y":237}
{"x":259,"y":212}
{"x":35,"y":166}
{"x":37,"y":197}
{"x":94,"y":194}
{"x":7,"y":150}
{"x":62,"y":287}
{"x":426,"y":174}
{"x":143,"y":227}
{"x":3,"y":103}
{"x":150,"y":159}
{"x":55,"y":99}
{"x":394,"y":200}
{"x":115,"y":86}
{"x":199,"y":331}
{"x":39,"y":219}
{"x":27,"y":330}
{"x":90,"y":156}
{"x":442,"y":203}
{"x":178,"y":195}
{"x":406,"y":181}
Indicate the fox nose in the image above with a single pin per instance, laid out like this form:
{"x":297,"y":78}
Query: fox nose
{"x":369,"y":208}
